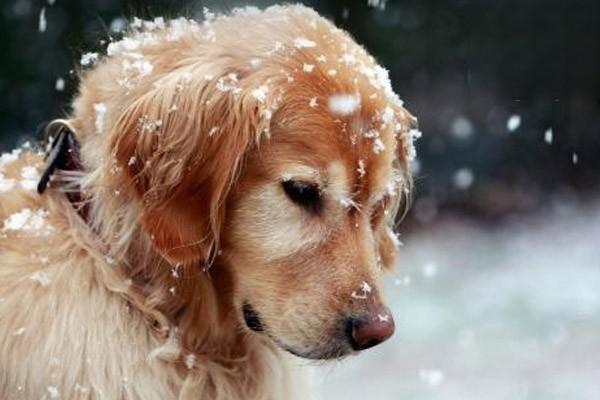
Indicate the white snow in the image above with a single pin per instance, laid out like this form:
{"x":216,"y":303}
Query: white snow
{"x":190,"y":360}
{"x":228,"y":83}
{"x":29,"y":221}
{"x":260,"y":93}
{"x":59,"y":85}
{"x":308,"y":67}
{"x":379,"y":4}
{"x":118,"y":25}
{"x":42,"y":23}
{"x":53,"y":392}
{"x":461,"y":127}
{"x":302,"y":42}
{"x":548,"y":136}
{"x":463,"y":178}
{"x":433,"y":377}
{"x":89,"y":59}
{"x":408,"y":140}
{"x":387,"y":116}
{"x":6,"y":184}
{"x":363,"y":291}
{"x":361,"y":168}
{"x":378,"y":146}
{"x":40,"y":277}
{"x":344,"y":104}
{"x":29,"y":178}
{"x":383,"y":317}
{"x":395,"y":239}
{"x":430,"y":270}
{"x":513,"y":123}
{"x":100,"y":111}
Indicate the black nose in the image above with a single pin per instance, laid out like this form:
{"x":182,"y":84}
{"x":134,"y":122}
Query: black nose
{"x":366,"y":332}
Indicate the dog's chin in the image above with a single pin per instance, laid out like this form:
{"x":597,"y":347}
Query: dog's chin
{"x":322,"y":353}
{"x":330,"y":351}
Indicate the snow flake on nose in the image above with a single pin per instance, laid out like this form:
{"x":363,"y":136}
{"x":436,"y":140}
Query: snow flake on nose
{"x":383,"y":317}
{"x":363,"y":291}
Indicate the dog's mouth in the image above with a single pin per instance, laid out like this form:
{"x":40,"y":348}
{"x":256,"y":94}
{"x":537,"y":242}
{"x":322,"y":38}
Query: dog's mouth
{"x":328,"y":351}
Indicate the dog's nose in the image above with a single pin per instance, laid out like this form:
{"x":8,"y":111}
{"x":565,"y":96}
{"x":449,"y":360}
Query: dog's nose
{"x":366,"y":332}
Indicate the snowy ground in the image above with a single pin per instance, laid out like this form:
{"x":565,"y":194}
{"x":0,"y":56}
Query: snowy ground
{"x":484,"y":313}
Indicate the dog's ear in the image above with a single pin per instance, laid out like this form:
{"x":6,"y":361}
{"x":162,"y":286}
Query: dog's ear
{"x":180,"y":148}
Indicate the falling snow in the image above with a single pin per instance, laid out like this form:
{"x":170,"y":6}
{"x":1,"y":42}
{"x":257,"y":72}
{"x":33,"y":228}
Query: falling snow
{"x":548,"y":136}
{"x":513,"y":123}
{"x":42,"y":23}
{"x":463,"y":178}
{"x":59,"y":85}
{"x":433,"y":377}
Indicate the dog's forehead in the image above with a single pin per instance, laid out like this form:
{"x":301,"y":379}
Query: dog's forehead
{"x":353,"y":155}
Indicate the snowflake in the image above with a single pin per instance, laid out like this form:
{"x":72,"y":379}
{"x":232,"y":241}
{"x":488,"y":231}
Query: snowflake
{"x":89,"y":59}
{"x":344,"y":104}
{"x":308,"y":67}
{"x":302,"y":42}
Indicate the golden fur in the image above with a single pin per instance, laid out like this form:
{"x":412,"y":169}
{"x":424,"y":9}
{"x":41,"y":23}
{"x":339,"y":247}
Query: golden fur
{"x":187,"y":131}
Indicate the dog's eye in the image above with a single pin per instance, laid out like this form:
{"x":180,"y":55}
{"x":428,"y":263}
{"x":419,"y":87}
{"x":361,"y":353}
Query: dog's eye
{"x":306,"y":195}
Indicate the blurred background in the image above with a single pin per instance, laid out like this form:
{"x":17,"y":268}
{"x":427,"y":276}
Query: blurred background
{"x":497,"y":291}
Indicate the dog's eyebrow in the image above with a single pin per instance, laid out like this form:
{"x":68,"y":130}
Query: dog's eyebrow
{"x":302,"y":172}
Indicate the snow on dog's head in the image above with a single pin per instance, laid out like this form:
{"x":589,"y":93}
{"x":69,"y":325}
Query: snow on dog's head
{"x":249,"y":156}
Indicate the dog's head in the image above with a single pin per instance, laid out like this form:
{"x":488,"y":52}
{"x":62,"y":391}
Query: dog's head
{"x":282,"y":162}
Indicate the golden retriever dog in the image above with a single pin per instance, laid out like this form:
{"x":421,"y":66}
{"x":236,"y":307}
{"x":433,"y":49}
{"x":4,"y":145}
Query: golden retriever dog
{"x":221,"y":194}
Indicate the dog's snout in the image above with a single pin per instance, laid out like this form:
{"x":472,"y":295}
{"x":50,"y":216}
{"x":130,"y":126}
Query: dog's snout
{"x":368,"y":331}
